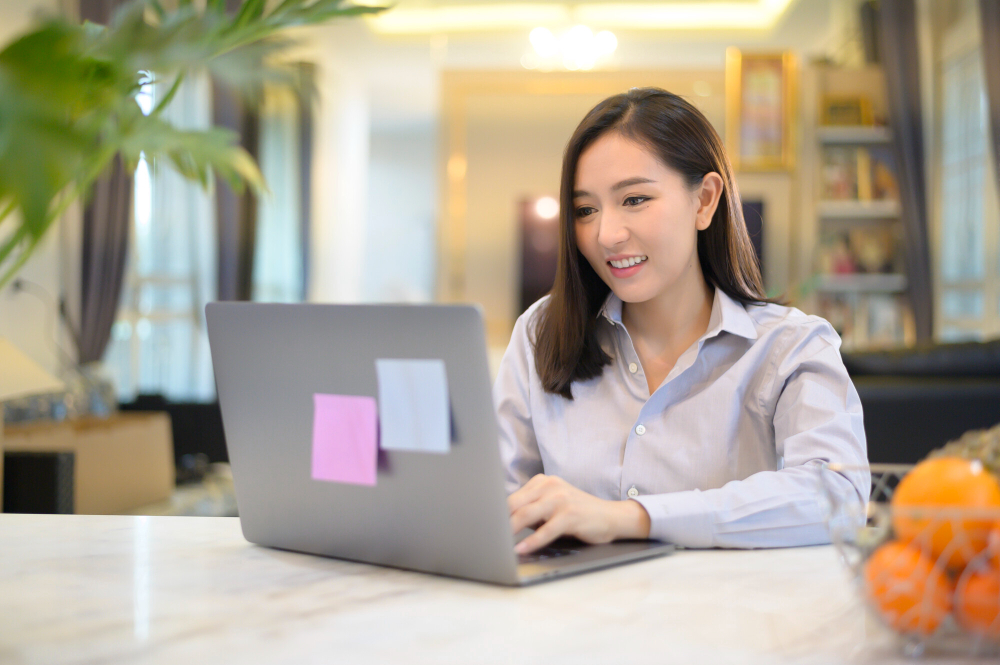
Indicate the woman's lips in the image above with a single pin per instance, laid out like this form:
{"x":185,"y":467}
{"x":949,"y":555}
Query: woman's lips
{"x":623,"y":273}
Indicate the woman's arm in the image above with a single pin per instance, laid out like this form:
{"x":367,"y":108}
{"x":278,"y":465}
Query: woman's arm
{"x":817,"y":419}
{"x":511,"y":397}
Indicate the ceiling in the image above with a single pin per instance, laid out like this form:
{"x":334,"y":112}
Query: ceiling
{"x":401,"y":70}
{"x":456,"y":16}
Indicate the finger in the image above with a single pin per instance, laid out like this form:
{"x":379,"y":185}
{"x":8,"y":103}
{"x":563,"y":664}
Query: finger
{"x":532,"y":514}
{"x":544,"y":535}
{"x":528,"y":493}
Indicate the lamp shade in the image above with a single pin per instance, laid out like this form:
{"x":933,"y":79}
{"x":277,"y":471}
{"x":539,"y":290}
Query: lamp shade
{"x":20,"y":376}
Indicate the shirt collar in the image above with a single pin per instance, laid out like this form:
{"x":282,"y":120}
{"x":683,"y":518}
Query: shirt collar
{"x":727,"y":314}
{"x":612,"y":308}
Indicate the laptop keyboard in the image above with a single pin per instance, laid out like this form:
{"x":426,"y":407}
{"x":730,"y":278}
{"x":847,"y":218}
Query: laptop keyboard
{"x":546,"y":553}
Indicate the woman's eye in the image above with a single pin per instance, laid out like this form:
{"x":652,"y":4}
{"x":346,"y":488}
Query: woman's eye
{"x":636,"y":200}
{"x":584,"y":211}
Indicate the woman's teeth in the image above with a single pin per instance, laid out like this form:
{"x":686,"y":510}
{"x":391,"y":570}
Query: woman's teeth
{"x":631,"y":261}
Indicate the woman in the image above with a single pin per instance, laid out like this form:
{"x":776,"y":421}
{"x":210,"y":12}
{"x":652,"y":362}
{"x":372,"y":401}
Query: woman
{"x":655,"y":392}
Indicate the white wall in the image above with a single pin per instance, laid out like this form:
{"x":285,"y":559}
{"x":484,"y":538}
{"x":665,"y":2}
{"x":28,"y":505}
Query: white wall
{"x":372,"y":218}
{"x":29,"y":320}
{"x":400,"y":237}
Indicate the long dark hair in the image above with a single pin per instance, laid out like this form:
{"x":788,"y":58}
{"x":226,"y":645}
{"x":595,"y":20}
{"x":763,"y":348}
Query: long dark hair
{"x":565,"y":339}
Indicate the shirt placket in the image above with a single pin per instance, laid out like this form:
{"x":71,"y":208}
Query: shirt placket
{"x":650,"y":417}
{"x":634,"y":374}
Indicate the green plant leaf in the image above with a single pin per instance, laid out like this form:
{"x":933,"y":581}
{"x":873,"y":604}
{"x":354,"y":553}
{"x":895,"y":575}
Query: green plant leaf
{"x":249,"y":12}
{"x":167,"y":98}
{"x":67,"y":100}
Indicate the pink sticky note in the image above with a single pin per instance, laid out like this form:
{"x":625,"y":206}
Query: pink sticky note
{"x":345,"y":439}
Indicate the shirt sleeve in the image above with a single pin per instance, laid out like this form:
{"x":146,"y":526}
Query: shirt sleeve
{"x":511,"y":398}
{"x":817,"y":419}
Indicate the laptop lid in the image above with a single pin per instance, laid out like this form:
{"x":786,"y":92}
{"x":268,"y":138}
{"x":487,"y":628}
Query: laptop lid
{"x":439,"y":513}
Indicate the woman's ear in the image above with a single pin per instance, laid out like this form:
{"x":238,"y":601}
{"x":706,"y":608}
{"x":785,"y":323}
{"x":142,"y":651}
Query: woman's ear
{"x":708,"y":199}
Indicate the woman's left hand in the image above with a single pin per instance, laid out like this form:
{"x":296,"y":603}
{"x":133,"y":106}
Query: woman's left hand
{"x":556,"y":509}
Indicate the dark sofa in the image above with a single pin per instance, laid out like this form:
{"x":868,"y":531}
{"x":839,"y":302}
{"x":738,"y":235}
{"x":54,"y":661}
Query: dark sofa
{"x":197,"y":431}
{"x":914,"y":400}
{"x":918,"y":399}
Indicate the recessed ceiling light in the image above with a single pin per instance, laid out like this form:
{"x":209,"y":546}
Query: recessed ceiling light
{"x":547,"y":207}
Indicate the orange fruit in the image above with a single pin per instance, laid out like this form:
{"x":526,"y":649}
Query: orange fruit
{"x":927,"y":506}
{"x":993,"y":545}
{"x":977,"y":602}
{"x":910,"y":592}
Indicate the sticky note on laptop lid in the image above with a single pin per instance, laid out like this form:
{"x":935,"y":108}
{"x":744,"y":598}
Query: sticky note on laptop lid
{"x":413,"y":406}
{"x":345,"y":439}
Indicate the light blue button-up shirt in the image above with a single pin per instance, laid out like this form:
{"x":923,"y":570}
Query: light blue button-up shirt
{"x":725,"y":451}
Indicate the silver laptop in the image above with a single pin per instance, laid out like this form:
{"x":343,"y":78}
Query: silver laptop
{"x":444,"y":514}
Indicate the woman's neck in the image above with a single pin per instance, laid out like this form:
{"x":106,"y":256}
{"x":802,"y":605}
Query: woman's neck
{"x":669,"y":323}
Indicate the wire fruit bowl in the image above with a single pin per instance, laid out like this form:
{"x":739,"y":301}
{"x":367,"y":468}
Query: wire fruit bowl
{"x":936,"y":590}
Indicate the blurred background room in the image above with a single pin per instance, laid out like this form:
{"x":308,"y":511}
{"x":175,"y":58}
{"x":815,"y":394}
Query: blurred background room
{"x":417,"y":158}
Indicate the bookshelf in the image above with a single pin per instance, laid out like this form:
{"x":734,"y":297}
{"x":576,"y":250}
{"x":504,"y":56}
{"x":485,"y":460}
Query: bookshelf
{"x":851,"y":239}
{"x":832,"y":134}
{"x":862,"y":283}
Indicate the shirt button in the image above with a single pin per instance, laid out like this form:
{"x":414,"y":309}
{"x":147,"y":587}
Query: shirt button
{"x":640,"y":430}
{"x":632,"y":367}
{"x":633,"y":492}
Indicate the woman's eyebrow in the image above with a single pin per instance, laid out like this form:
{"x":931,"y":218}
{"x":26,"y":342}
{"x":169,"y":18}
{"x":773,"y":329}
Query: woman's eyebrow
{"x":638,"y":180}
{"x":628,"y":182}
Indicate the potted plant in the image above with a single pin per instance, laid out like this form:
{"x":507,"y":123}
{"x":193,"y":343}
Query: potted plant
{"x":68,"y":107}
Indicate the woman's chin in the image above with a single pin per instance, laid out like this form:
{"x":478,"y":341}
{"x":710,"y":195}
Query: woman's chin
{"x":633,"y":293}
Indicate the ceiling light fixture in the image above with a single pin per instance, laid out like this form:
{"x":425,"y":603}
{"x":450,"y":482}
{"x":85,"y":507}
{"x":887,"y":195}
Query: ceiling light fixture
{"x":575,"y":49}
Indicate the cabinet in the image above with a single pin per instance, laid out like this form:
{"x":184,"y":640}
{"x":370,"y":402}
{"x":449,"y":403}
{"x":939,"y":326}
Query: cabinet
{"x":851,"y":263}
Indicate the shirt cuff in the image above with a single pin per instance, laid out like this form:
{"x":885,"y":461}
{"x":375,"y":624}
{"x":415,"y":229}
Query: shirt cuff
{"x":682,"y":518}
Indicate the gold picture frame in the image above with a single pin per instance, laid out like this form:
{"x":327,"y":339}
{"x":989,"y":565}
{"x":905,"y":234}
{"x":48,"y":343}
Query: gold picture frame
{"x":760,"y":110}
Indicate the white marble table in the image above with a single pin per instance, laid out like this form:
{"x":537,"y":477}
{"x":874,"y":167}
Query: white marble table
{"x":93,"y":589}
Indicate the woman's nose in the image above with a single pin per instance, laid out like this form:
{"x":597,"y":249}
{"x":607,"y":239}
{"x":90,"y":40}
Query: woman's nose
{"x":612,"y":231}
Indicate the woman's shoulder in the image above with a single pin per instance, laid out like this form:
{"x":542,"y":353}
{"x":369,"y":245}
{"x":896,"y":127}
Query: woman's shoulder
{"x":789,"y":328}
{"x":527,"y":323}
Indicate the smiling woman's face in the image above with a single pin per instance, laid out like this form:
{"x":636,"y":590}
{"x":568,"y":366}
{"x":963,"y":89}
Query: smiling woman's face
{"x":636,"y":220}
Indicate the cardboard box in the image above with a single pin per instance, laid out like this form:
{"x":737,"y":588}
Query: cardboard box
{"x":122,"y":462}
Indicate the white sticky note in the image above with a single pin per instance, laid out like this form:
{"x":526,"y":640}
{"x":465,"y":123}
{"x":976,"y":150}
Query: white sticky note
{"x":413,"y":408}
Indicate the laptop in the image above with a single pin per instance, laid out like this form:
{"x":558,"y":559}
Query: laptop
{"x":437,"y":513}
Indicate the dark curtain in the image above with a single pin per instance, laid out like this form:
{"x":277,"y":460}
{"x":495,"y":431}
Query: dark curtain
{"x":106,"y":221}
{"x":989,"y":18}
{"x":99,"y":11}
{"x":236,"y":214}
{"x":898,"y":46}
{"x":308,"y":74}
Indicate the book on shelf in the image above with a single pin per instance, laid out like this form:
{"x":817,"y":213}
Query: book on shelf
{"x":867,"y":320}
{"x":859,"y":250}
{"x":858,"y":173}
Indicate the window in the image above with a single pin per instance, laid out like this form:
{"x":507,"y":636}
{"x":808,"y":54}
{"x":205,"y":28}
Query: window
{"x":159,"y":342}
{"x":968,"y":275}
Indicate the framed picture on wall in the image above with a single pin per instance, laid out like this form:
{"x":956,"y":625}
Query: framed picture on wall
{"x":760,"y":110}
